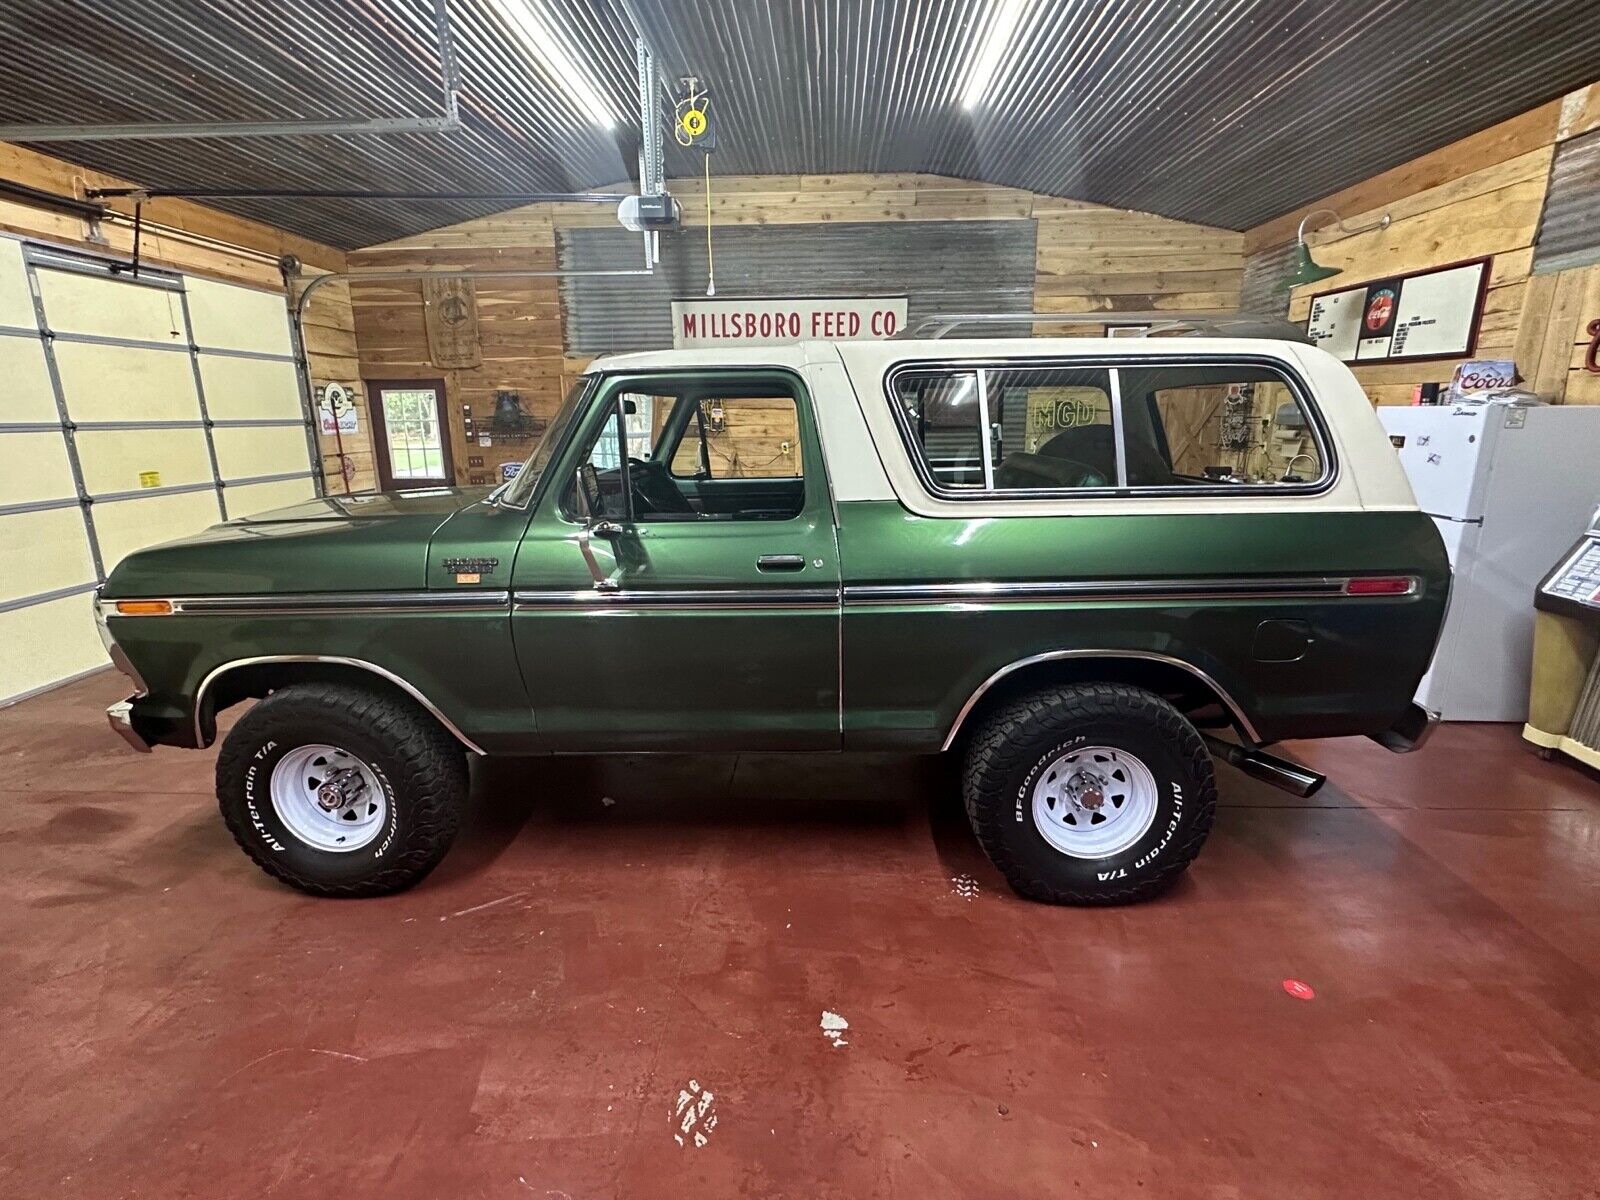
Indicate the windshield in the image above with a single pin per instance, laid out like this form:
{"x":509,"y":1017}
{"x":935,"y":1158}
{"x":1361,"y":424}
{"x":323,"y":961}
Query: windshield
{"x":527,"y":479}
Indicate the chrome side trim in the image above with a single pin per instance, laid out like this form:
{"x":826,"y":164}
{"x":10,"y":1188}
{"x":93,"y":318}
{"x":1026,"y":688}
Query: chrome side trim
{"x":1022,"y":592}
{"x":361,"y":663}
{"x":317,"y":603}
{"x":1244,"y":723}
{"x":684,"y":598}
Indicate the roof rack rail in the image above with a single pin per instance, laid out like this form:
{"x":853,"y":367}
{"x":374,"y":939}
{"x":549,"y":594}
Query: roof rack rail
{"x":1172,"y":323}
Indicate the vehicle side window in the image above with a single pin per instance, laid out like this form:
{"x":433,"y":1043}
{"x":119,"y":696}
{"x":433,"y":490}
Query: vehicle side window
{"x":741,"y":437}
{"x":602,"y":473}
{"x":1052,"y":428}
{"x":989,"y":431}
{"x":697,"y":448}
{"x":941,"y":411}
{"x":1225,"y":424}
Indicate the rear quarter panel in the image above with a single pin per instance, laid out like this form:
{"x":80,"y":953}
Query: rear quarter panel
{"x":909,"y":668}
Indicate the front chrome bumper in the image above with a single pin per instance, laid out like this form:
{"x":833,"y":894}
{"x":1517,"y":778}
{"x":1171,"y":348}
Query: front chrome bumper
{"x":1410,"y":732}
{"x":120,"y":715}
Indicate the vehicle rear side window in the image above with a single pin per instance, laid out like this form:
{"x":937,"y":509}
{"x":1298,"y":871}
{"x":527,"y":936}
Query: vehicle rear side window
{"x":1052,"y":428}
{"x":1227,"y":424}
{"x":1047,"y":429}
{"x":941,"y":411}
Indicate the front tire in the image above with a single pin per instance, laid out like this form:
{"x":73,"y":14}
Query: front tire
{"x":341,"y":791}
{"x":1097,"y":794}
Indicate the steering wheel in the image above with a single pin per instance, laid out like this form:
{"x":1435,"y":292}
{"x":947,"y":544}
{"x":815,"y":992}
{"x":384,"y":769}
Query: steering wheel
{"x":653,"y":489}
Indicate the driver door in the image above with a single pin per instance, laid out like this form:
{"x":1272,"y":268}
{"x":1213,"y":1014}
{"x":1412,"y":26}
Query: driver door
{"x":686,"y":595}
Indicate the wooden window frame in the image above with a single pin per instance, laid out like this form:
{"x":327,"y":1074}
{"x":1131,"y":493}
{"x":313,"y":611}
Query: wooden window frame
{"x":380,"y":429}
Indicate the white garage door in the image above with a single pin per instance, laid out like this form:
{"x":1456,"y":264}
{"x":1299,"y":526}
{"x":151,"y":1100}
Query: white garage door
{"x":133,"y":411}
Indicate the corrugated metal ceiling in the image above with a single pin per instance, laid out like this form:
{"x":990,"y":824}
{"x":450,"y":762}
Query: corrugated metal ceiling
{"x":1226,"y":112}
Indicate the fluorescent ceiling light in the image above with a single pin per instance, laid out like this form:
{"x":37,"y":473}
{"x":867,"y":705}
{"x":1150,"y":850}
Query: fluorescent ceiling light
{"x":1002,"y":26}
{"x":537,"y":36}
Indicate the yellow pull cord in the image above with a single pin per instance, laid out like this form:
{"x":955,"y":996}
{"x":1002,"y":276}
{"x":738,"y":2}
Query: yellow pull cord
{"x":711,"y":262}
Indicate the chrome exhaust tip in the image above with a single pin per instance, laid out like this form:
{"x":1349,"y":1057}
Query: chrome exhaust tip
{"x":1269,"y":768}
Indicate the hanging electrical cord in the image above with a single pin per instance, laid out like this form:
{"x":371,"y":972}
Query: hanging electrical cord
{"x":693,"y":128}
{"x":711,"y":262}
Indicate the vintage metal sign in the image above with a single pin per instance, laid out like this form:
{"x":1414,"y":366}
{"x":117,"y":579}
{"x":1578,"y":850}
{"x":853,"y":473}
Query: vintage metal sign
{"x":702,"y":323}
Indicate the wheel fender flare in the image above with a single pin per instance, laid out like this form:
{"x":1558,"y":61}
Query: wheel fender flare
{"x":362,"y":664}
{"x":1235,"y":710}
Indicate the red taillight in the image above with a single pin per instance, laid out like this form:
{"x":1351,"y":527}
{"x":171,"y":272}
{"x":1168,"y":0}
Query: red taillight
{"x":1380,"y":585}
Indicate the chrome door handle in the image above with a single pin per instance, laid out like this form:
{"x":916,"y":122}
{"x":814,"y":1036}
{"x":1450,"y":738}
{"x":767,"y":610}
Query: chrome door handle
{"x":781,"y":562}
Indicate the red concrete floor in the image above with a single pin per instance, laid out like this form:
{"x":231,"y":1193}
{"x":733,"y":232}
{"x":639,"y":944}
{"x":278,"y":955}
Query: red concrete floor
{"x":523,"y":1023}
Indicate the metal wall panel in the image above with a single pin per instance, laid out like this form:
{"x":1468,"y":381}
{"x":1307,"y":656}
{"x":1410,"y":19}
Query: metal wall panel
{"x":255,"y":498}
{"x":1222,"y":113}
{"x":942,"y":266}
{"x":44,"y":551}
{"x":250,"y":389}
{"x":1264,"y":289}
{"x":46,"y":643}
{"x":1569,"y":234}
{"x":28,"y":396}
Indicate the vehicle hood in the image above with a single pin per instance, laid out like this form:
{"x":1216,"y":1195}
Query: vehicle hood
{"x":368,"y":542}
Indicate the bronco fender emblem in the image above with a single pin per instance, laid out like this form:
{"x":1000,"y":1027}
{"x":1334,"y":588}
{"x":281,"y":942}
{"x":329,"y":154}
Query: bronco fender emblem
{"x":470,"y":570}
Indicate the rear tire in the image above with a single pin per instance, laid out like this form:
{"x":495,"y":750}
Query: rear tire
{"x":1097,"y":794}
{"x":341,"y":791}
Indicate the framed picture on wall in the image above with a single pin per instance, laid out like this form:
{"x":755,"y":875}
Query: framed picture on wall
{"x":1404,"y":318}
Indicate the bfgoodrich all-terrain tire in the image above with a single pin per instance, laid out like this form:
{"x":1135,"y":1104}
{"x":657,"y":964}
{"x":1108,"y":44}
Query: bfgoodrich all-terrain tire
{"x":1098,"y":794}
{"x":340,"y":791}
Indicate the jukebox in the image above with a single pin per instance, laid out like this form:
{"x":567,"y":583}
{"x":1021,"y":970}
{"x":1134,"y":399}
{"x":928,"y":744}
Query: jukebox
{"x":1564,"y":697}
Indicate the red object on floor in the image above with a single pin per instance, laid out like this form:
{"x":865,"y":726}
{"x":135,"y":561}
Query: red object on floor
{"x":1299,"y":990}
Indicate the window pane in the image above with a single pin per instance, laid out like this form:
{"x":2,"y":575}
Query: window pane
{"x":751,"y":438}
{"x":745,"y":438}
{"x":641,"y":424}
{"x":411,"y":425}
{"x":941,"y":411}
{"x":1205,"y":425}
{"x":1051,"y":428}
{"x":605,"y":456}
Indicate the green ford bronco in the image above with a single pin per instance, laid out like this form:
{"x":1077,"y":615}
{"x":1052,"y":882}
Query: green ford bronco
{"x":1086,"y":566}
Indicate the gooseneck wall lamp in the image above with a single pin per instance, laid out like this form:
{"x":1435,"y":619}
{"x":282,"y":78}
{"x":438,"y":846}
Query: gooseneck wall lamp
{"x":1308,"y":269}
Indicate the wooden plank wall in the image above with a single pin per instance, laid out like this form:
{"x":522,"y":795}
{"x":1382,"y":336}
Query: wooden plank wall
{"x":519,"y":327}
{"x":1090,"y":259}
{"x":329,"y":329}
{"x":1480,"y":196}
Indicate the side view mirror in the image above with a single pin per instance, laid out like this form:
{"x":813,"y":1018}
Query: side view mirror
{"x":586,"y":493}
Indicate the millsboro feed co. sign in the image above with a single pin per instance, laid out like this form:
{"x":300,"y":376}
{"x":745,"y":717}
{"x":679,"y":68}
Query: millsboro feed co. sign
{"x":701,"y":323}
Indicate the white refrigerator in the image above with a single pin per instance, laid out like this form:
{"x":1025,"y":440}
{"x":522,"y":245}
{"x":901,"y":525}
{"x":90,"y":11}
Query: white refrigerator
{"x":1510,"y":489}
